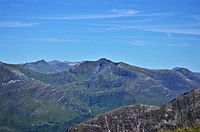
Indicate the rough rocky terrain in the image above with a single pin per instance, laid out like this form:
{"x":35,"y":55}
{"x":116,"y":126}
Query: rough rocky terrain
{"x":182,"y":112}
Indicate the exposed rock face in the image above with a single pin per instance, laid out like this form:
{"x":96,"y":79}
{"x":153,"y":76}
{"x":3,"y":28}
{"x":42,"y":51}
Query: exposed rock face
{"x":182,"y":112}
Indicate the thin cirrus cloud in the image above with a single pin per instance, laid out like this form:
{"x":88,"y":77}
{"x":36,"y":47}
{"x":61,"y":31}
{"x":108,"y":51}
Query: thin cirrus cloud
{"x":146,"y":43}
{"x":195,"y":17}
{"x":16,"y":24}
{"x":124,"y":11}
{"x":53,"y":40}
{"x":190,"y":30}
{"x":177,"y":29}
{"x":114,"y":13}
{"x":59,"y":40}
{"x":168,"y":29}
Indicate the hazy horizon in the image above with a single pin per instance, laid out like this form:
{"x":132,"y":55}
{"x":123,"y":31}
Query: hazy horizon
{"x":156,"y":68}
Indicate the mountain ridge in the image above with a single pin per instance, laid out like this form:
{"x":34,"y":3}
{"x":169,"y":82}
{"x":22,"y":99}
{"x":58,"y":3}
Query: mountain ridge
{"x":87,"y":89}
{"x":79,"y":62}
{"x":50,"y":67}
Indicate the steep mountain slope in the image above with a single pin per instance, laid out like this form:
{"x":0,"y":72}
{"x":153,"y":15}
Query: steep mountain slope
{"x":39,"y":66}
{"x":179,"y":80}
{"x":59,"y":66}
{"x":182,"y":112}
{"x":104,"y":80}
{"x":96,"y":82}
{"x":29,"y":104}
{"x":84,"y":90}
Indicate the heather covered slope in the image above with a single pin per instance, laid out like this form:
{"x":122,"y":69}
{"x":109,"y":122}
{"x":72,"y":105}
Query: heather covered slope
{"x":182,"y":112}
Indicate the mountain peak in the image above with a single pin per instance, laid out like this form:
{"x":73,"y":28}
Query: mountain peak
{"x":179,"y":68}
{"x":41,"y":61}
{"x":184,"y":71}
{"x":104,"y":60}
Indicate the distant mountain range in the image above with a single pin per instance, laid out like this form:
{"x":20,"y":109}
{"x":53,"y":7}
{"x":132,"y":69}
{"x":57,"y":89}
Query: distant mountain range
{"x":49,"y":96}
{"x":50,"y":67}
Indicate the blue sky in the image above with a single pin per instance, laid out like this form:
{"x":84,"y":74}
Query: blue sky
{"x":153,"y":34}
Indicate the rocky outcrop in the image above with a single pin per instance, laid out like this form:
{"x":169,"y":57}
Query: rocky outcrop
{"x":182,"y":112}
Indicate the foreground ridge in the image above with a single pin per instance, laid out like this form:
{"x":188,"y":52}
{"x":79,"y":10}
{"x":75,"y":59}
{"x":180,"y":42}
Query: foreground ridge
{"x":182,"y":112}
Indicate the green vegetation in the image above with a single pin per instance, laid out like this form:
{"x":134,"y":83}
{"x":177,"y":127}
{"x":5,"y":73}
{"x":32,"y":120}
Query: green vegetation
{"x":35,"y":114}
{"x":194,"y":129}
{"x":162,"y":111}
{"x":65,"y":98}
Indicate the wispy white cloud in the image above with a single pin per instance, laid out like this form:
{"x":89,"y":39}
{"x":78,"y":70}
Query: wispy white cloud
{"x":169,"y":35}
{"x":147,"y":43}
{"x":167,"y":29}
{"x":114,"y":13}
{"x":190,"y":30}
{"x":184,"y":45}
{"x":196,"y":17}
{"x":154,"y":14}
{"x":124,"y":11}
{"x":136,"y":42}
{"x":17,"y":24}
{"x":59,"y":40}
{"x":135,"y":20}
